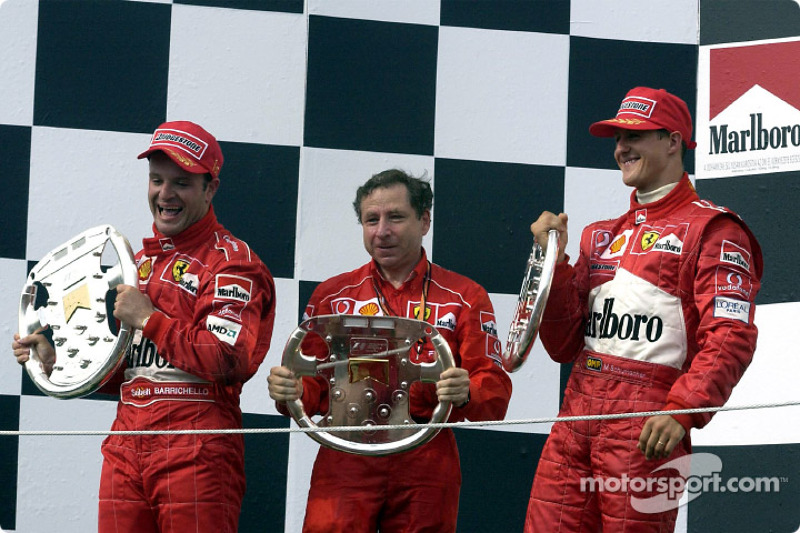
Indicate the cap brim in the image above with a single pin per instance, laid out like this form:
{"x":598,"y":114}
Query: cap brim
{"x":179,"y":159}
{"x":608,"y":128}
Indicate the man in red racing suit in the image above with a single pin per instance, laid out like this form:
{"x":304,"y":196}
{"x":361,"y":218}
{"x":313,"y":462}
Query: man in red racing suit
{"x":204,"y":311}
{"x":208,"y":304}
{"x":416,"y":490}
{"x":656,"y":314}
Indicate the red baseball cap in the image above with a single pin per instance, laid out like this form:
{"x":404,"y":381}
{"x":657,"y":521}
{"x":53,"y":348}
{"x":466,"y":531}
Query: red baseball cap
{"x":644,"y":108}
{"x":188,"y":145}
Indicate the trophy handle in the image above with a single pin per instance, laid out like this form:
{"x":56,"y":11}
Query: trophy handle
{"x":531,"y":303}
{"x":370,"y":374}
{"x":69,"y":296}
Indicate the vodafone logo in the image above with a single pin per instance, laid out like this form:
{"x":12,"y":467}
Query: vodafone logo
{"x":730,"y":281}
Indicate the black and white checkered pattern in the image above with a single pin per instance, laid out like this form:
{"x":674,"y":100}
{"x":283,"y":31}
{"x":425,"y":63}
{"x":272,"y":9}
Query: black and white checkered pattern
{"x":491,"y":99}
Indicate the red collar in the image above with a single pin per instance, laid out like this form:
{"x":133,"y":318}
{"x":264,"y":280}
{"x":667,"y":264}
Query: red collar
{"x":418,"y":273}
{"x":683,"y":193}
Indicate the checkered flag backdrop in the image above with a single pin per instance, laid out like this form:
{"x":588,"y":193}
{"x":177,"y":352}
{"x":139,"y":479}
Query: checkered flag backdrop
{"x":491,"y":99}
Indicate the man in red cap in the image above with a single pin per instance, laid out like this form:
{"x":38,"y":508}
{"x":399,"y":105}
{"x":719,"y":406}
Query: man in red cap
{"x":656,"y":314}
{"x":204,"y":311}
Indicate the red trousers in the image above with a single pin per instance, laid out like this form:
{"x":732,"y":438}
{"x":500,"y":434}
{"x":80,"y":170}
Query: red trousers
{"x":416,"y":491}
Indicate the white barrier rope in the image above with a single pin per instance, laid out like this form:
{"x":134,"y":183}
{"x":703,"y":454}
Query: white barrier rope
{"x":404,"y":426}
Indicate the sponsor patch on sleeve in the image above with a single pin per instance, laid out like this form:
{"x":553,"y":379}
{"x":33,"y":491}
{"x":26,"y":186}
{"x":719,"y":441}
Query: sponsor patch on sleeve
{"x":493,"y":350}
{"x":732,"y":282}
{"x":735,"y":255}
{"x":732,"y":309}
{"x":224,"y":330}
{"x":230,"y":287}
{"x":488,"y":324}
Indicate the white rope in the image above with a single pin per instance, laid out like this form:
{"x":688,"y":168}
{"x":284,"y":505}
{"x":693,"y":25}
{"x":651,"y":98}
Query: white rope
{"x":404,"y":426}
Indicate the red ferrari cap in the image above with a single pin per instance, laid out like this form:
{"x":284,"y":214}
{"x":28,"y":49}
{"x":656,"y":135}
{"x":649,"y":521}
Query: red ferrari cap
{"x":644,"y":108}
{"x":188,"y":145}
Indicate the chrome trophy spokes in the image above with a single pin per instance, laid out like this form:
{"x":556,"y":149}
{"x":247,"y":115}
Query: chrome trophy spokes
{"x":531,"y":303}
{"x":69,"y":297}
{"x":370,"y":364}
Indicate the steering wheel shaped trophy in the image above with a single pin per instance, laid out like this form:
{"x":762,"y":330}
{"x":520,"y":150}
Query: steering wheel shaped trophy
{"x":531,"y":303}
{"x":369,"y":371}
{"x":69,"y":297}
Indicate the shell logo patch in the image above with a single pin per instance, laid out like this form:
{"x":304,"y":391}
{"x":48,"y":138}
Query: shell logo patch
{"x":617,"y":245}
{"x":371,"y":309}
{"x":145,"y":269}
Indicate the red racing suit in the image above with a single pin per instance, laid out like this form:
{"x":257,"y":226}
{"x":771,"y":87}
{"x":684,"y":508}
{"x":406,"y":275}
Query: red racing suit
{"x":215,"y":308}
{"x":417,"y":490}
{"x":657,"y":314}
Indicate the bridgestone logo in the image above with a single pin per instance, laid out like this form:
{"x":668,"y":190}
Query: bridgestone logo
{"x":171,"y":137}
{"x":608,"y":325}
{"x":636,"y":106}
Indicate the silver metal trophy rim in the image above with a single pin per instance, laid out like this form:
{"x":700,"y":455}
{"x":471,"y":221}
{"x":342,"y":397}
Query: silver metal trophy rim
{"x":532,"y":300}
{"x":302,"y":364}
{"x":67,"y":264}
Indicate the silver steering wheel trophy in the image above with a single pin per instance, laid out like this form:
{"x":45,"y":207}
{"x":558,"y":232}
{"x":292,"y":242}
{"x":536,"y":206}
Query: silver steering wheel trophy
{"x":69,"y":298}
{"x":367,"y":363}
{"x":531,"y":303}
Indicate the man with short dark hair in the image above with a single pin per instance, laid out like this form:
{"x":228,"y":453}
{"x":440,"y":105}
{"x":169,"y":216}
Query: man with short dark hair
{"x":204,"y":311}
{"x":416,"y":490}
{"x":656,"y":314}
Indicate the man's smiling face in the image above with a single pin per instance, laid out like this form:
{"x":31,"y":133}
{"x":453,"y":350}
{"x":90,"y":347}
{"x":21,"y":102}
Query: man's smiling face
{"x":177,"y":198}
{"x":643,"y":158}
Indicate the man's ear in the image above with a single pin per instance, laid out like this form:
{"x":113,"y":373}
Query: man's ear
{"x":426,"y":221}
{"x":675,"y":142}
{"x":211,"y":189}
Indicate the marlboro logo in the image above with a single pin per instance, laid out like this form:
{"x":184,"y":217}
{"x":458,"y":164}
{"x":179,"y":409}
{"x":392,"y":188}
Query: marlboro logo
{"x":752,"y":123}
{"x":230,"y":287}
{"x":725,"y":139}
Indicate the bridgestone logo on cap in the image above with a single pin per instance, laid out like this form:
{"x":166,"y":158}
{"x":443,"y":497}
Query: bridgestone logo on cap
{"x":636,"y":105}
{"x":179,"y":139}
